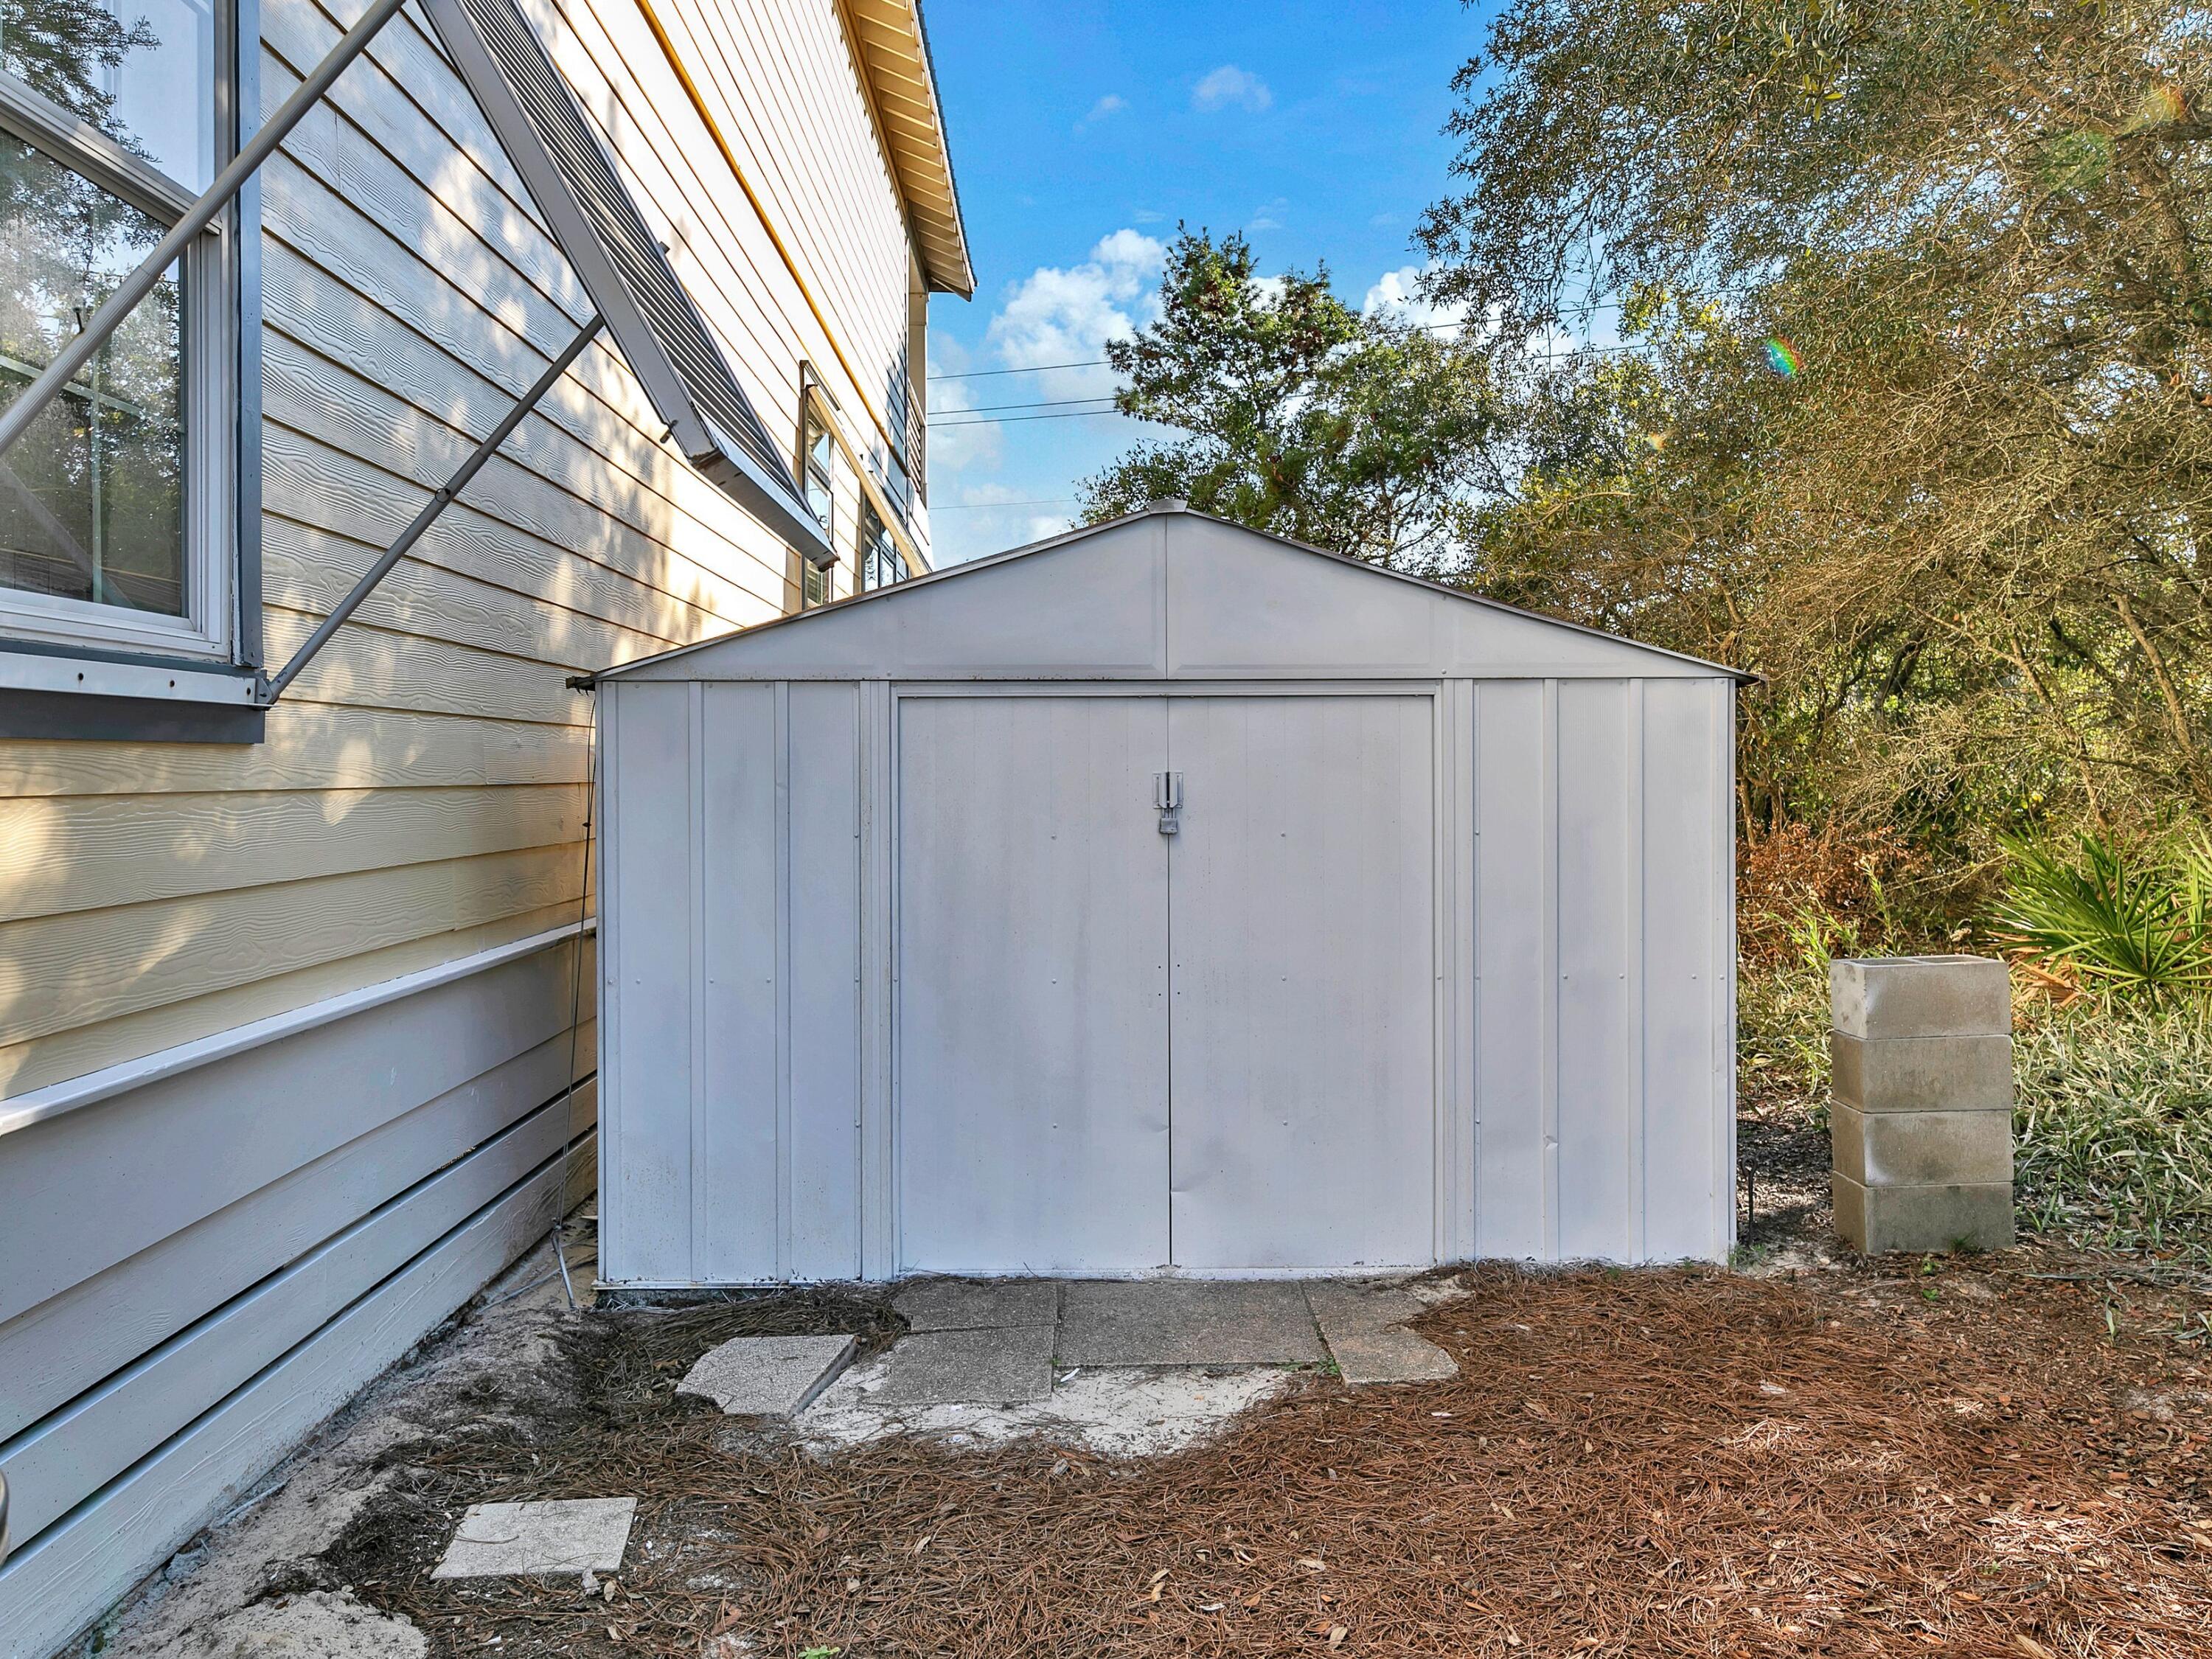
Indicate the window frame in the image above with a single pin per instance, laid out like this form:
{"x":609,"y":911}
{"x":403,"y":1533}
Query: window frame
{"x":219,"y":633}
{"x":879,"y":553}
{"x":818,"y":470}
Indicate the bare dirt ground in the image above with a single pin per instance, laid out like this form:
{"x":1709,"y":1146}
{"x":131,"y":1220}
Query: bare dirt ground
{"x":1980,"y":1457}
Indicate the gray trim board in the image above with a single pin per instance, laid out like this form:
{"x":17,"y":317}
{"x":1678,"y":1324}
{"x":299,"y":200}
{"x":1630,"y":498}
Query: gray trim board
{"x":245,"y":240}
{"x":63,"y":1580}
{"x":76,"y":1452}
{"x":84,"y":717}
{"x":166,"y":1352}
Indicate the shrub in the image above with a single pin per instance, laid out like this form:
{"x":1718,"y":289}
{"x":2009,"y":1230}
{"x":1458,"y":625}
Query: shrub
{"x":2119,"y":924}
{"x":1830,"y":888}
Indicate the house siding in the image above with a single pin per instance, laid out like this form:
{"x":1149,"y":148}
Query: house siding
{"x":419,"y":805}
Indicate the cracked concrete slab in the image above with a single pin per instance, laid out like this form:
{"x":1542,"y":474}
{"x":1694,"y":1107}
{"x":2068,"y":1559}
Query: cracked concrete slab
{"x":1117,"y":1412}
{"x":560,"y":1535}
{"x":971,"y":1368}
{"x":767,"y":1376}
{"x":1186,"y":1322}
{"x":957,"y":1304}
{"x":1363,"y":1325}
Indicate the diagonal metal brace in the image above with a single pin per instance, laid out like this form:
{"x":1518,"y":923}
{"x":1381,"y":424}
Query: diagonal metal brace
{"x":16,"y":419}
{"x":431,"y":508}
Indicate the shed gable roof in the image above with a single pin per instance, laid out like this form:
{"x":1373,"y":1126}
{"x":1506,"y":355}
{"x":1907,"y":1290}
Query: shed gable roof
{"x":1167,"y":594}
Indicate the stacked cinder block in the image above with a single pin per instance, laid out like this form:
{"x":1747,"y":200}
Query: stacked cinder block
{"x":1922,"y":1120}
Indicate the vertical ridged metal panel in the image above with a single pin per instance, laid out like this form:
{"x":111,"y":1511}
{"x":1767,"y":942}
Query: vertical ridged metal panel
{"x":1033,"y":976}
{"x":1603,"y":1017}
{"x":1301,"y":894}
{"x":1460,"y":945}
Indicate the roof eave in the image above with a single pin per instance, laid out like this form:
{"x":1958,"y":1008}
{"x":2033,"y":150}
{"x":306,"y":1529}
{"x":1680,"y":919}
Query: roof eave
{"x":891,"y":45}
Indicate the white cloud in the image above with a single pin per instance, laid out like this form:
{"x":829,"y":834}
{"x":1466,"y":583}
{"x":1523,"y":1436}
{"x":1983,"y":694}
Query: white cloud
{"x":1264,"y":218}
{"x":1112,"y":104}
{"x":1057,"y":315}
{"x":1230,"y":87}
{"x":1398,"y":294}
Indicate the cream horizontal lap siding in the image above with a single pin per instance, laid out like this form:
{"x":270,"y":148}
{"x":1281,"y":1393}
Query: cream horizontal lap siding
{"x":421,"y":792}
{"x":286,"y":1030}
{"x":812,"y":264}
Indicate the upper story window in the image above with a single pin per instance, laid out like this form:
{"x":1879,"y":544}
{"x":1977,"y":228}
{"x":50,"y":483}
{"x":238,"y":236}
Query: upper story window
{"x":821,"y":461}
{"x":819,"y":465}
{"x":116,"y":516}
{"x":880,"y":564}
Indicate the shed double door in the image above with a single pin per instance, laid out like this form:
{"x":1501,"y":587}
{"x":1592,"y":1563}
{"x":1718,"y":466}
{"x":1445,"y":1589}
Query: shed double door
{"x":1120,"y":1050}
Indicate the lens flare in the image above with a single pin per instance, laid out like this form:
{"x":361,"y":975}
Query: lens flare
{"x":1782,"y":355}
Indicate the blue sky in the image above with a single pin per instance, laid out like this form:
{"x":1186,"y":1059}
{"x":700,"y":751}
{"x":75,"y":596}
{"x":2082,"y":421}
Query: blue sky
{"x":1083,"y":130}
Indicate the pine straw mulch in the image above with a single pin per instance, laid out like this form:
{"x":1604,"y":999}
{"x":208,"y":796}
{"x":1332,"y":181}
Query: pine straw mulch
{"x":1685,"y":1462}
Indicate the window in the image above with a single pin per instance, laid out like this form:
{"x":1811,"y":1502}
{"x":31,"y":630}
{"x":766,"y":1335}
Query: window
{"x":819,"y":465}
{"x":880,"y":564}
{"x":116,"y":509}
{"x":821,"y":460}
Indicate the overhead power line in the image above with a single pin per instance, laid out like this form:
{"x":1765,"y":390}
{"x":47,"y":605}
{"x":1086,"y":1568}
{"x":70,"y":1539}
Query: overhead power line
{"x":1008,"y":420}
{"x":1048,"y":403}
{"x":985,"y":507}
{"x":1034,"y":368}
{"x":984,"y":414}
{"x":1101,"y":362}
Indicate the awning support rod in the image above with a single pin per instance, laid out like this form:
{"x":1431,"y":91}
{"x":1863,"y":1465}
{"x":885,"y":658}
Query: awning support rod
{"x":19,"y":415}
{"x":431,"y":508}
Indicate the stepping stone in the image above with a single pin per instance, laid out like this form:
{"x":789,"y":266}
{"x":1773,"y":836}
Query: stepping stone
{"x":1362,"y":1325}
{"x":767,"y":1376}
{"x":1186,"y":1321}
{"x":969,"y":1368}
{"x":998,"y":1305}
{"x":567,"y":1535}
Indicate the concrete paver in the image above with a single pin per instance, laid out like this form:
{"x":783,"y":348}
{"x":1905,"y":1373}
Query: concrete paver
{"x":565,"y":1535}
{"x":767,"y":1376}
{"x":1186,"y":1322}
{"x":961,"y":1367}
{"x":955,"y":1304}
{"x":1362,"y":1327}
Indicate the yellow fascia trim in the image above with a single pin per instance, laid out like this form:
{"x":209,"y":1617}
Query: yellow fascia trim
{"x":760,"y":211}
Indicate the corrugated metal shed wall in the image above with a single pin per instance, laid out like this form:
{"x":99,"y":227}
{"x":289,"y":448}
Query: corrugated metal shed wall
{"x":1584,"y":951}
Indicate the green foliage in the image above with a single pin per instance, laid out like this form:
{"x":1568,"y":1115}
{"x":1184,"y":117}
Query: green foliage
{"x":1305,"y":418}
{"x":2129,"y":925}
{"x":1912,"y":414}
{"x":2114,"y":1128}
{"x":1960,"y":525}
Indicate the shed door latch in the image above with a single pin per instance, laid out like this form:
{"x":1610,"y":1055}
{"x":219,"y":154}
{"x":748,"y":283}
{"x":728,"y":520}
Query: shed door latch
{"x":1167,"y":796}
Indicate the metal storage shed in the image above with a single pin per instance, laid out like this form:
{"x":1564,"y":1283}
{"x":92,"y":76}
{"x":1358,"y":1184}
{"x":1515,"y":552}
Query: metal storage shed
{"x":1163,"y":897}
